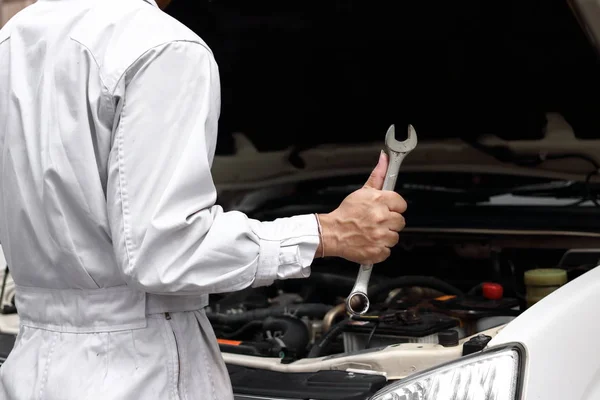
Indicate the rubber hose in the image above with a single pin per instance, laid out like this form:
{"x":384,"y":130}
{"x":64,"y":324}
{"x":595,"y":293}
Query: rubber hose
{"x":312,"y":310}
{"x":324,"y":343}
{"x":243,"y":329}
{"x":294,"y":332}
{"x":416,"y":280}
{"x":475,"y":289}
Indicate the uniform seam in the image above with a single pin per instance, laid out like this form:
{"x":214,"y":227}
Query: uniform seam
{"x":165,"y":336}
{"x":81,"y":330}
{"x":132,"y":64}
{"x":107,"y":354}
{"x":207,"y":365}
{"x":94,"y":59}
{"x":129,"y":245}
{"x":268,"y":261}
{"x":168,"y":337}
{"x":135,"y":350}
{"x":210,"y":377}
{"x":106,"y":97}
{"x":46,"y":367}
{"x":288,"y":238}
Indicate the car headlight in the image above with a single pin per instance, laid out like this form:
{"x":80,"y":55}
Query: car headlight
{"x":494,"y":374}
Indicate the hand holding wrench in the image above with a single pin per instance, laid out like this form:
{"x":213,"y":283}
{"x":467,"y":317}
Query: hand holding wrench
{"x":357,"y":303}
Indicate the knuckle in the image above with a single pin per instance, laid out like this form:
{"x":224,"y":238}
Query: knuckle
{"x":372,"y":254}
{"x":387,"y":197}
{"x":401,"y":204}
{"x":379,"y":235}
{"x":395,"y":201}
{"x":379,"y":214}
{"x":395,"y":238}
{"x":401,"y":223}
{"x":378,"y":196}
{"x":385,"y":253}
{"x":404,"y":206}
{"x":398,"y":223}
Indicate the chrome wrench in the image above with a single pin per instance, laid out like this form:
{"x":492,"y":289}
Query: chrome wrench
{"x":357,"y":303}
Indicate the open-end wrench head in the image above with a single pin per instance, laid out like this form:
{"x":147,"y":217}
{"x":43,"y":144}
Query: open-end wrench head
{"x":404,"y":146}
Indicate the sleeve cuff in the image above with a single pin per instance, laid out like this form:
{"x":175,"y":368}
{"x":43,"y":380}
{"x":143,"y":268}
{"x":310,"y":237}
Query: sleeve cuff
{"x":287,"y":249}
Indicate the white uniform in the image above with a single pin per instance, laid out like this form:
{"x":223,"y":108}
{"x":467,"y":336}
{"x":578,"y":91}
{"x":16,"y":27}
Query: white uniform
{"x":108,"y":125}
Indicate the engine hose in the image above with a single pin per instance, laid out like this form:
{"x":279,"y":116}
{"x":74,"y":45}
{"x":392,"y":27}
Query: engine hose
{"x":333,"y":314}
{"x":294,"y":332}
{"x":416,"y":280}
{"x":242,"y":330}
{"x":311,"y":310}
{"x":324,"y":343}
{"x":473,"y":291}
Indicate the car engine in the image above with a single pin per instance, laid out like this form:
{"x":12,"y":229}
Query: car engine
{"x":467,"y":290}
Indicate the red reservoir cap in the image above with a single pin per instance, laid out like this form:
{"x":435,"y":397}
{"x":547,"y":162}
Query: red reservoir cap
{"x":492,"y":291}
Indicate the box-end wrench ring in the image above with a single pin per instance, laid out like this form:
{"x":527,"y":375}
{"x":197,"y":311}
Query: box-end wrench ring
{"x":357,"y":303}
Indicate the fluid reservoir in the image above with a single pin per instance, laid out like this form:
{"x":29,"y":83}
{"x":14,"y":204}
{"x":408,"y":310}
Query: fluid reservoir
{"x":541,"y":282}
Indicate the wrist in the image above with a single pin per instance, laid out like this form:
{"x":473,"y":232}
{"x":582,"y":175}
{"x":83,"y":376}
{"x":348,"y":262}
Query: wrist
{"x":328,"y":243}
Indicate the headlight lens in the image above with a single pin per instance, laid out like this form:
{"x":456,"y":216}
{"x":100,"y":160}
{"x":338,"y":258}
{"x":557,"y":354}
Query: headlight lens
{"x":491,"y":375}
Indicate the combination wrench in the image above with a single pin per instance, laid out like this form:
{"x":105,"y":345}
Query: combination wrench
{"x":357,"y":303}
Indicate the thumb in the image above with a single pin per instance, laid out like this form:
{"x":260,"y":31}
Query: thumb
{"x":377,"y":176}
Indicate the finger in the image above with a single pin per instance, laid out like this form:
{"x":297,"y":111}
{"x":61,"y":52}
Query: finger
{"x":393,"y":201}
{"x":396,"y":222}
{"x":383,"y":255}
{"x":391,"y":239}
{"x":377,"y":176}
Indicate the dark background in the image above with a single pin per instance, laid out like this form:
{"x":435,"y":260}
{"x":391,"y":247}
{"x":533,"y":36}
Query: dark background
{"x":303,"y":72}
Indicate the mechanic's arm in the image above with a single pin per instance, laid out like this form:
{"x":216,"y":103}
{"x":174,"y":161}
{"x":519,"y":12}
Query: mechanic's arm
{"x":168,"y":234}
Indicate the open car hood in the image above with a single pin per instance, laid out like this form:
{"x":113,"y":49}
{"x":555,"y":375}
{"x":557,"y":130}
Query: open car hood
{"x":309,"y":88}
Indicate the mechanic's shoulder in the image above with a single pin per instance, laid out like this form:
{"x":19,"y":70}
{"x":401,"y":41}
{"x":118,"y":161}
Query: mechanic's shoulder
{"x":118,"y":41}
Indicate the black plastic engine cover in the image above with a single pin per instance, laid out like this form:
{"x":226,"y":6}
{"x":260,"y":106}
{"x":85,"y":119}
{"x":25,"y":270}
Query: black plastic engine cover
{"x":251,"y":383}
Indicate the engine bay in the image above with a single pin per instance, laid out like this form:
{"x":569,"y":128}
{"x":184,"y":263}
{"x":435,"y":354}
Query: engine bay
{"x":439,"y":297}
{"x":431,"y":302}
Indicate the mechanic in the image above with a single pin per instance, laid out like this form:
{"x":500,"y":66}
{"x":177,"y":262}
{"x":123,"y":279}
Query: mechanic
{"x":108,"y":128}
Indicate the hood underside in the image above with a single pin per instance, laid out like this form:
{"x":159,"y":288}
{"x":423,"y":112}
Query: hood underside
{"x":312,"y":86}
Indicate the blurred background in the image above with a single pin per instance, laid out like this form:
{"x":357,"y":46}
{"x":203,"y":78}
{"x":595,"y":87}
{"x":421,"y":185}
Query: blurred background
{"x":8,"y":8}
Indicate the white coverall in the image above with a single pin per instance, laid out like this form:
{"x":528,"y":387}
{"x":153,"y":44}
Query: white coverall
{"x":108,"y":125}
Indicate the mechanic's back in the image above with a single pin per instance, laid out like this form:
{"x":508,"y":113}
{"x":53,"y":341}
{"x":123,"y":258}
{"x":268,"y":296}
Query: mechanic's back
{"x":64,"y":67}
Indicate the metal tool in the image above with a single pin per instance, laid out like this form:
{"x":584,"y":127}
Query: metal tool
{"x":357,"y":303}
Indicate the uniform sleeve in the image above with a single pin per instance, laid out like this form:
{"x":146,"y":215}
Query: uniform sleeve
{"x":169,"y":236}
